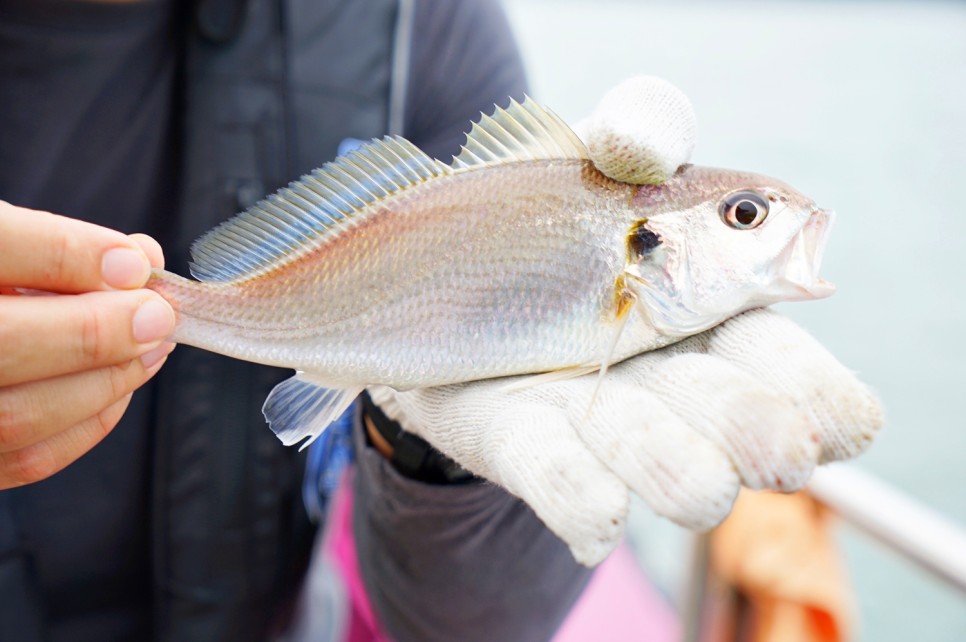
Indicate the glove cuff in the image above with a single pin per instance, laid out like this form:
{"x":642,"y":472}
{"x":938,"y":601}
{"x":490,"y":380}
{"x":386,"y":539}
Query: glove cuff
{"x":412,"y":455}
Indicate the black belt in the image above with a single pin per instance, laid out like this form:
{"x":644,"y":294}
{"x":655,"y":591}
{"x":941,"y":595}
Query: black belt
{"x":411,"y":455}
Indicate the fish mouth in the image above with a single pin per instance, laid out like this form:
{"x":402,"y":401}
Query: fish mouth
{"x":803,"y":260}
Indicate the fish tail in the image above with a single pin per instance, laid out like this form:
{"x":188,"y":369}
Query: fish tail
{"x":189,"y":299}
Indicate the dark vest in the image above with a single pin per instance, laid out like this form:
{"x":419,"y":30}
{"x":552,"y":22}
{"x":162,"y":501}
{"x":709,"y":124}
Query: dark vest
{"x":264,"y":90}
{"x":271,"y":89}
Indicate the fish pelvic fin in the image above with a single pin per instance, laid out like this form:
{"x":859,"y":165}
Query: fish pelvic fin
{"x":562,"y":374}
{"x":300,"y":408}
{"x":521,"y":132}
{"x":312,"y":210}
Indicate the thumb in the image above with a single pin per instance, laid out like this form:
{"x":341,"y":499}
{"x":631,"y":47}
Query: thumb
{"x":641,"y":132}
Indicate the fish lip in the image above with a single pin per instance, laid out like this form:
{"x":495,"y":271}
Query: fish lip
{"x":819,"y":289}
{"x":800,"y":279}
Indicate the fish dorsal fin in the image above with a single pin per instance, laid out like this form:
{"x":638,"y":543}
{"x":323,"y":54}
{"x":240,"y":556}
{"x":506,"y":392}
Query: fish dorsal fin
{"x":305,"y":215}
{"x":521,"y":132}
{"x":311,"y":210}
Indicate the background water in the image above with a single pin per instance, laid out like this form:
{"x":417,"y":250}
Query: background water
{"x":861,"y":105}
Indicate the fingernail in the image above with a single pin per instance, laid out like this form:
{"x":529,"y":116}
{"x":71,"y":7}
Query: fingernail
{"x":124,"y":268}
{"x":153,"y":320}
{"x":152,"y":357}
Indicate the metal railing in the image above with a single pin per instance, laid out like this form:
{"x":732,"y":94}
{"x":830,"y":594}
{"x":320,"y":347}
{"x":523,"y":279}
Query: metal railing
{"x":905,"y":526}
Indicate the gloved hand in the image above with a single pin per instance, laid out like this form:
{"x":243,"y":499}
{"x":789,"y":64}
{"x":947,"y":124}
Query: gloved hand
{"x":754,"y":401}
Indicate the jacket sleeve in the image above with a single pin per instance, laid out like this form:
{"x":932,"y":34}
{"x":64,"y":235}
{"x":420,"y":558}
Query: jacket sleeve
{"x":457,"y":562}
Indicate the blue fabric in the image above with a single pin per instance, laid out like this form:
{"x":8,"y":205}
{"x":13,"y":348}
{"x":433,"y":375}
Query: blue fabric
{"x":349,"y":144}
{"x":328,"y":457}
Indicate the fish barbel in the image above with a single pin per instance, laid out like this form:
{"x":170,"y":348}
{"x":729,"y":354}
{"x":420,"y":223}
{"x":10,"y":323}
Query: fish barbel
{"x":389,"y":267}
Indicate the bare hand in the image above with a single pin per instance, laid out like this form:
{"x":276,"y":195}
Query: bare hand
{"x":77,"y":337}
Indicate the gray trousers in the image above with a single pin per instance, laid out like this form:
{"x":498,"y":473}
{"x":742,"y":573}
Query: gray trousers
{"x":462,"y":562}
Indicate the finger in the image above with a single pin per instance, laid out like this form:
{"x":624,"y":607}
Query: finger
{"x":43,"y":337}
{"x":638,"y":370}
{"x":680,"y":474}
{"x":522,"y":442}
{"x":151,"y":249}
{"x":54,"y":253}
{"x":33,"y":412}
{"x":535,"y":454}
{"x":43,"y":459}
{"x":770,"y":441}
{"x":771,"y":348}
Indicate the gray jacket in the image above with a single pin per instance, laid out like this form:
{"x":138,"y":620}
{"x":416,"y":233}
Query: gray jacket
{"x":167,"y":117}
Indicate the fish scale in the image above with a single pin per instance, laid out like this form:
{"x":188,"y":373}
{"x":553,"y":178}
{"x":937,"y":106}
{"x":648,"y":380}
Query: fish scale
{"x":389,"y":267}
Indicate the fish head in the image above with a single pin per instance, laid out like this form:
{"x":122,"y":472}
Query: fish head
{"x":711,"y":243}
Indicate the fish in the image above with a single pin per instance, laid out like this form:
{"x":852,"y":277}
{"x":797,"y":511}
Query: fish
{"x":519,"y":257}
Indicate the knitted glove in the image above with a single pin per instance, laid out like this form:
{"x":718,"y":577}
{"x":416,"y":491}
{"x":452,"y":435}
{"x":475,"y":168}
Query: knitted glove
{"x":754,"y":401}
{"x":641,"y":131}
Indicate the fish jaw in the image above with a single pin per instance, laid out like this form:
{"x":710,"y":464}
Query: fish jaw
{"x":676,"y":297}
{"x":801,"y":261}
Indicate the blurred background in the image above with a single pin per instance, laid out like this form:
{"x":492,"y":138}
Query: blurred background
{"x":860,"y":105}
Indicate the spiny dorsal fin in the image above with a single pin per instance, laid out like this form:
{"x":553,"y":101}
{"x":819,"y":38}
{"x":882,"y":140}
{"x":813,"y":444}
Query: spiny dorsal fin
{"x":308,"y":212}
{"x":521,"y":132}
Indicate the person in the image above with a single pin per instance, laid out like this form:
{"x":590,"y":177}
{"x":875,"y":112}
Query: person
{"x":185,"y":521}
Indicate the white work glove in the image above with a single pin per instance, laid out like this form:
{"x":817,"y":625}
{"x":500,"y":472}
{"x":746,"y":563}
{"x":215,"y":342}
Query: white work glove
{"x":641,"y":132}
{"x":754,"y":401}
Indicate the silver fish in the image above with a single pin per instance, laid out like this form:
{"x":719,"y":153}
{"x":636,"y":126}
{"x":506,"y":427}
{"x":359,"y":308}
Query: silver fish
{"x":389,"y":267}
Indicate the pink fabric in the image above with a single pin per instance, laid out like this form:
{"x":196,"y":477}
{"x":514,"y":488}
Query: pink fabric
{"x":339,"y":548}
{"x":618,"y":605}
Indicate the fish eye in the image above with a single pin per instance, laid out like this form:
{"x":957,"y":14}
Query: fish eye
{"x":744,"y":209}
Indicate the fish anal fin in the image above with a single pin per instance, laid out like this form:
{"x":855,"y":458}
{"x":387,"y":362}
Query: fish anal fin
{"x":300,"y":408}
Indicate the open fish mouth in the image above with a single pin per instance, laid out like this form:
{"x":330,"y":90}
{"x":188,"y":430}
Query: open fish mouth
{"x":803,"y":260}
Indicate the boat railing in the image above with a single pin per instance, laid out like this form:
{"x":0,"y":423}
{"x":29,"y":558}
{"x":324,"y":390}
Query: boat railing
{"x":905,"y":526}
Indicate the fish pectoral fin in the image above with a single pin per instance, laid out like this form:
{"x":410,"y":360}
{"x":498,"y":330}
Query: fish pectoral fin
{"x":623,"y":310}
{"x":529,"y":381}
{"x":301,"y":408}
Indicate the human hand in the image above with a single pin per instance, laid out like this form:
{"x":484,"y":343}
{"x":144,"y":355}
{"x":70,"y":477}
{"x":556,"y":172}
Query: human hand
{"x":77,"y":336}
{"x":755,"y":401}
